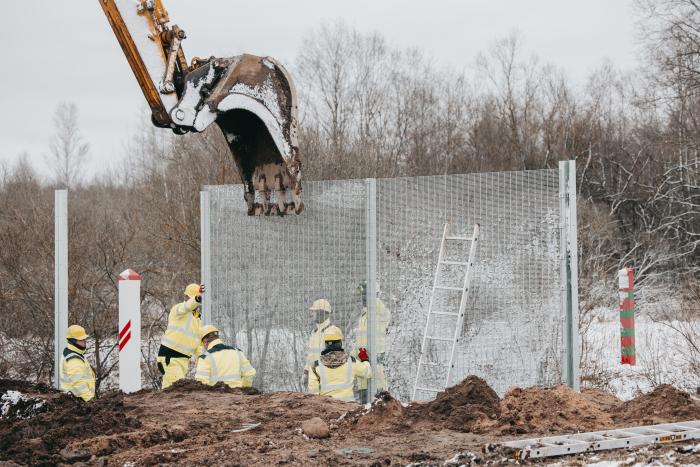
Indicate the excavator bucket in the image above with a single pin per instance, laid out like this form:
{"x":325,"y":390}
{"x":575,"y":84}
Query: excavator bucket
{"x":253,"y":100}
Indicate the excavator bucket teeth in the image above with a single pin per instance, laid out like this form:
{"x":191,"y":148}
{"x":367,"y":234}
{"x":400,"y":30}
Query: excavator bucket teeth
{"x":253,"y":100}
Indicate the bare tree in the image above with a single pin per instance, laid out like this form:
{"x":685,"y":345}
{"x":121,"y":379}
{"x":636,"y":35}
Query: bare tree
{"x":68,"y":151}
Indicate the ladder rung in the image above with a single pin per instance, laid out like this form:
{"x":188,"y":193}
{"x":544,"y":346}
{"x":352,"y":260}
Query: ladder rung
{"x":444,"y":313}
{"x":447,"y":339}
{"x":457,"y":263}
{"x":444,"y":287}
{"x":429,"y":389}
{"x":463,"y":239}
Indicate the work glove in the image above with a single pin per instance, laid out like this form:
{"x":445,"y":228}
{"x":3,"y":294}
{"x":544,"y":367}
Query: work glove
{"x":362,"y":354}
{"x":198,"y":297}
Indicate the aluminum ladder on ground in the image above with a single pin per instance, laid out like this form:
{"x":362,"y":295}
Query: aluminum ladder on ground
{"x":458,"y":316}
{"x":604,"y":440}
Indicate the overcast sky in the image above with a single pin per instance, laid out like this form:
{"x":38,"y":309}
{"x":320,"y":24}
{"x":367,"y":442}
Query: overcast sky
{"x":65,"y":50}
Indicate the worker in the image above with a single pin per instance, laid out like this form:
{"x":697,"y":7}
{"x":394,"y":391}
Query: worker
{"x":334,"y":373}
{"x":76,"y":375}
{"x":182,"y":338}
{"x":221,"y":362}
{"x":383,"y":317}
{"x":321,"y":315}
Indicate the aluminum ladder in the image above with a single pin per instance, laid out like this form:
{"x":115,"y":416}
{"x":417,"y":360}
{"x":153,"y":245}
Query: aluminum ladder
{"x":458,"y":316}
{"x":615,"y":438}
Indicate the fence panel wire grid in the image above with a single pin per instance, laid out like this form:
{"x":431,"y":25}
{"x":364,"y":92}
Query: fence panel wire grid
{"x":267,"y":271}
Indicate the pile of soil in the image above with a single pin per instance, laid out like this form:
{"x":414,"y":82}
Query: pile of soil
{"x":188,"y":385}
{"x":470,"y":406}
{"x":665,"y":403}
{"x":25,"y":387}
{"x":550,"y":410}
{"x":39,"y":439}
{"x":602,"y":399}
{"x":193,"y":424}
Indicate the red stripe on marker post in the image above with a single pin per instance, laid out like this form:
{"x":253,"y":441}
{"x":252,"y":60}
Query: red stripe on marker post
{"x":124,"y":341}
{"x":126,"y":327}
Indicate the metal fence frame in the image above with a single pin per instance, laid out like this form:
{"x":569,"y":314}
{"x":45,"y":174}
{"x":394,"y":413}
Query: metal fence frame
{"x":568,"y":266}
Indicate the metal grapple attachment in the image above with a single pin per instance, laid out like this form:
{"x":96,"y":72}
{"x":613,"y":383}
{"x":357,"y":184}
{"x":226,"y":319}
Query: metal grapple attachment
{"x":253,"y":101}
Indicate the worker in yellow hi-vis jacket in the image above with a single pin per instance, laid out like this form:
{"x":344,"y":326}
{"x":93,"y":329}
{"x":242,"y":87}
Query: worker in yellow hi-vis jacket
{"x":221,"y":362}
{"x":77,"y":376}
{"x":334,"y":373}
{"x":182,"y":338}
{"x":320,"y":312}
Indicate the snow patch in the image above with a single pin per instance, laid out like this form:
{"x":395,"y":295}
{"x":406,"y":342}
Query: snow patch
{"x":14,"y":404}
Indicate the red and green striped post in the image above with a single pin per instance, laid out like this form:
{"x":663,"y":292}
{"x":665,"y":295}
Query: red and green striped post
{"x":626,"y":284}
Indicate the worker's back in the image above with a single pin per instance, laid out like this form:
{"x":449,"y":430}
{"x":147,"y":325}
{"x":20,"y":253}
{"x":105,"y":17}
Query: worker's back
{"x":224,"y":363}
{"x":334,"y":373}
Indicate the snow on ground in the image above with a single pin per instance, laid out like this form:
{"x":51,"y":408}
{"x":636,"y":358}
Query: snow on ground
{"x":664,"y":356}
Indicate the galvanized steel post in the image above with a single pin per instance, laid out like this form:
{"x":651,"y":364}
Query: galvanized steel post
{"x":372,"y":281}
{"x":60,"y":279}
{"x":205,"y":254}
{"x":569,"y":270}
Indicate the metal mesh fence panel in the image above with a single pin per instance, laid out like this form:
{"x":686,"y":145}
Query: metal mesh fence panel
{"x":266,"y":272}
{"x":513,"y":327}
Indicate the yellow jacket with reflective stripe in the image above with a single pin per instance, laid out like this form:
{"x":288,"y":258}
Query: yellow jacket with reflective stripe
{"x":184,"y":328}
{"x":224,"y":363}
{"x":338,"y":382}
{"x":316,"y":344}
{"x":383,"y":319}
{"x":77,"y":376}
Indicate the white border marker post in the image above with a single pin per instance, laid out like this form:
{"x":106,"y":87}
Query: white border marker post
{"x":129,"y":331}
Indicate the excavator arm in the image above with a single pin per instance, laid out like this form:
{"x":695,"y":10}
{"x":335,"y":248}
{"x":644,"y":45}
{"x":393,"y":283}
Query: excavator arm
{"x":251,"y":99}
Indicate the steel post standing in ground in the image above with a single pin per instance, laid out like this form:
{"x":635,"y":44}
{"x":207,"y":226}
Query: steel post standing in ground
{"x":569,"y":269}
{"x":129,"y":337}
{"x":372,"y":281}
{"x":60,"y":279}
{"x":205,"y":253}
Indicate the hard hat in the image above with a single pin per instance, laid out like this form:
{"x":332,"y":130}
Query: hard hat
{"x":208,"y":329}
{"x":321,"y":305}
{"x":76,"y":332}
{"x":332,"y":333}
{"x":192,"y":290}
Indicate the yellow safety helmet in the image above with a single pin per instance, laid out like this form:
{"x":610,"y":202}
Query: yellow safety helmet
{"x":332,"y":333}
{"x":192,"y":290}
{"x":321,"y":305}
{"x":208,"y":329}
{"x":76,"y":332}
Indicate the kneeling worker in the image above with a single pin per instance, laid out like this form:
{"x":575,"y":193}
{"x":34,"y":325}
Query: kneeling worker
{"x":77,"y":376}
{"x":335,"y":371}
{"x":221,"y":362}
{"x":182,"y":337}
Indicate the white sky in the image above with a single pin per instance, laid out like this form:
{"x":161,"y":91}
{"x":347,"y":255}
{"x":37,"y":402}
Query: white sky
{"x":65,"y":50}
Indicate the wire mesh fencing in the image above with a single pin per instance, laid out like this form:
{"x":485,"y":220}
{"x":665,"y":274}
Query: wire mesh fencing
{"x":265,"y":272}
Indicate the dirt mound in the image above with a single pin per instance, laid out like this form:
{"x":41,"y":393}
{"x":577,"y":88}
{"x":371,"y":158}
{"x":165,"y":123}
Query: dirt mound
{"x":189,"y":385}
{"x":550,"y":410}
{"x":470,"y":406}
{"x":25,"y":387}
{"x":602,"y":399}
{"x":664,"y":404}
{"x":16,"y":405}
{"x":66,"y":418}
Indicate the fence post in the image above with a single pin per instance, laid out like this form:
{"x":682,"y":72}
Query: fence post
{"x":569,"y":269}
{"x":60,"y":297}
{"x":372,"y":281}
{"x":205,"y":253}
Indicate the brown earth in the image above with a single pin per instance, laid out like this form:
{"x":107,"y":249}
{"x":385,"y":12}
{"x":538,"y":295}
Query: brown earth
{"x":662,"y":404}
{"x":191,"y":424}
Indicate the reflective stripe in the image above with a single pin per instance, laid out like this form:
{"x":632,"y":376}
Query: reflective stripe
{"x":71,"y":379}
{"x":215,"y":377}
{"x":168,"y":342}
{"x":333,"y":387}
